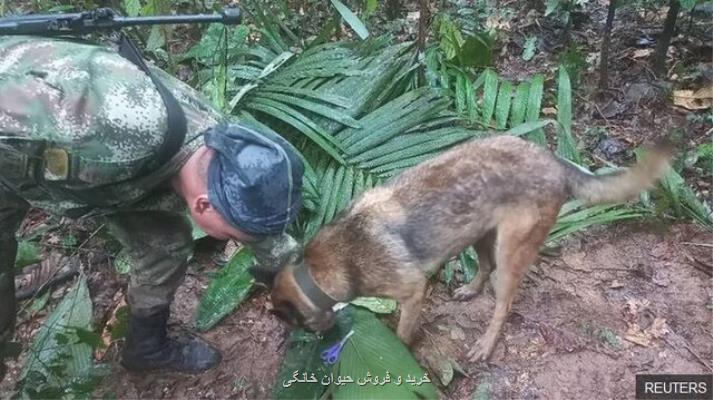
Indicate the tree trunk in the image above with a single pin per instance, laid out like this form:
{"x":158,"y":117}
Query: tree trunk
{"x":604,"y":57}
{"x":664,"y":39}
{"x":424,"y":15}
{"x":393,"y":9}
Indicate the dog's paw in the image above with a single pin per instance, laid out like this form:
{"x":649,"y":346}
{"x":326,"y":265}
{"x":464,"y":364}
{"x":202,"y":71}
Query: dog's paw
{"x":465,"y":292}
{"x":481,"y":351}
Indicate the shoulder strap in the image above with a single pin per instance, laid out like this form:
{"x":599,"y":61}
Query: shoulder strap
{"x":176,"y":124}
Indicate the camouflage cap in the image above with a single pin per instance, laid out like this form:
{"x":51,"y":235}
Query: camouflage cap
{"x":255,"y":178}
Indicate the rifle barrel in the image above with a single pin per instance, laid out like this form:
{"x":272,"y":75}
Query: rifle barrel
{"x":102,"y":19}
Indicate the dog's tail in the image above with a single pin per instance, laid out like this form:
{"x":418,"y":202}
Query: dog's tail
{"x":621,"y":185}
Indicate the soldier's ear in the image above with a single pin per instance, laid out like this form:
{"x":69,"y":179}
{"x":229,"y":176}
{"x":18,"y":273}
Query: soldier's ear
{"x":201,"y":204}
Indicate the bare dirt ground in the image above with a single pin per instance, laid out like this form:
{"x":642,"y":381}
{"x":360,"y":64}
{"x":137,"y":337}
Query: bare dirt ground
{"x":617,"y":301}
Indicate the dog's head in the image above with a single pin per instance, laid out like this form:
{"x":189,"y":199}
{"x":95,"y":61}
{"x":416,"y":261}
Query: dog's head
{"x":292,"y":305}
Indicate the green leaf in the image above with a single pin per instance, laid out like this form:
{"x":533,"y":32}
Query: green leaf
{"x":226,"y":290}
{"x":196,"y":232}
{"x":39,"y":303}
{"x":574,"y":218}
{"x":566,"y":145}
{"x":483,"y":391}
{"x":534,"y":102}
{"x":475,"y":51}
{"x":490,"y":93}
{"x":687,"y":5}
{"x":325,"y":111}
{"x":374,"y":349}
{"x":299,"y":121}
{"x":57,"y":345}
{"x":303,"y":351}
{"x":333,"y":99}
{"x":376,"y":304}
{"x":468,"y":264}
{"x":132,"y":7}
{"x":528,"y":127}
{"x":371,"y":5}
{"x":156,"y":39}
{"x":519,"y":105}
{"x":351,"y":19}
{"x":462,"y":88}
{"x":552,"y":5}
{"x":450,"y":37}
{"x":122,"y":262}
{"x":502,"y":108}
{"x":529,"y":48}
{"x":89,"y":337}
{"x":333,"y":197}
{"x":448,"y":272}
{"x":411,"y":145}
{"x":27,"y":254}
{"x":683,"y":199}
{"x":394,"y":118}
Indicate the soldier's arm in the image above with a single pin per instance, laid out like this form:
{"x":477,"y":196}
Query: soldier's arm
{"x":12,"y":212}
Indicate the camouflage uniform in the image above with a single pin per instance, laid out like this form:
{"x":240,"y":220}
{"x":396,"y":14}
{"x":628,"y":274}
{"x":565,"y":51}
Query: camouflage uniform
{"x":99,"y":108}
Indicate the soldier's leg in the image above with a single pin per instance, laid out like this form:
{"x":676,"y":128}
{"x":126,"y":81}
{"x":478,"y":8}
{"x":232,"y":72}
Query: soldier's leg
{"x":159,"y":245}
{"x":12,"y":211}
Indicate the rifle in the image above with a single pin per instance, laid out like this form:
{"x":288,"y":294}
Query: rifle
{"x":102,"y":19}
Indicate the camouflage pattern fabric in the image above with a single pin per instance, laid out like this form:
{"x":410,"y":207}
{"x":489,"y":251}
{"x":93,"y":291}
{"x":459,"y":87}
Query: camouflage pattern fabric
{"x":100,"y":108}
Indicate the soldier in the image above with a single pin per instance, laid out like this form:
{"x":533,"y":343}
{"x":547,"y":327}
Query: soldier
{"x":84,"y":132}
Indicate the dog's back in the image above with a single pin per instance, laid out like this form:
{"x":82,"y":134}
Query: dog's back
{"x":454,"y":199}
{"x":432,"y":211}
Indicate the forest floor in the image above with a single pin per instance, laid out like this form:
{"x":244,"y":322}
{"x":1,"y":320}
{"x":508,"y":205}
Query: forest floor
{"x":612,"y":302}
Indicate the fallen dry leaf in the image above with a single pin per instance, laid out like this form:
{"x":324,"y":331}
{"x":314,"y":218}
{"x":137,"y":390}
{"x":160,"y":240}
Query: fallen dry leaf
{"x":658,"y":328}
{"x":694,"y":100}
{"x":549,"y":111}
{"x":113,"y":321}
{"x":643,"y":337}
{"x":639,"y":338}
{"x":641,"y":53}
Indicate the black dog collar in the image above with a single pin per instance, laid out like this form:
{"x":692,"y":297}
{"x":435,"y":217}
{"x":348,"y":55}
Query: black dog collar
{"x":309,"y":287}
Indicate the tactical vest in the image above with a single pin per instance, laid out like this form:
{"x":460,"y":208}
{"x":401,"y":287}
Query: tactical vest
{"x":83,"y":126}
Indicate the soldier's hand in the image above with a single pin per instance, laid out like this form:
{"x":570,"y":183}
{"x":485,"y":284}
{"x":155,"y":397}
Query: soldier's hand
{"x":272,"y":254}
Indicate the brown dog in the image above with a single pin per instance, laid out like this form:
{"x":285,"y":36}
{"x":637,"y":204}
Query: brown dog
{"x":501,"y":194}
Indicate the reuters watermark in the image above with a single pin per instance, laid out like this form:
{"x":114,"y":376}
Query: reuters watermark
{"x":674,"y":387}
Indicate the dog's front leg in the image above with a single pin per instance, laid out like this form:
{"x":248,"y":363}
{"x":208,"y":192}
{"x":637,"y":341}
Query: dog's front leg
{"x":410,"y":310}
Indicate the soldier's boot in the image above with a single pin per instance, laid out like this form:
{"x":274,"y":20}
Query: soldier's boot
{"x":149,"y":348}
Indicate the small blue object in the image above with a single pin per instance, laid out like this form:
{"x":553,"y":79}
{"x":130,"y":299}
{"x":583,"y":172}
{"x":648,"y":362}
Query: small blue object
{"x":331,"y":355}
